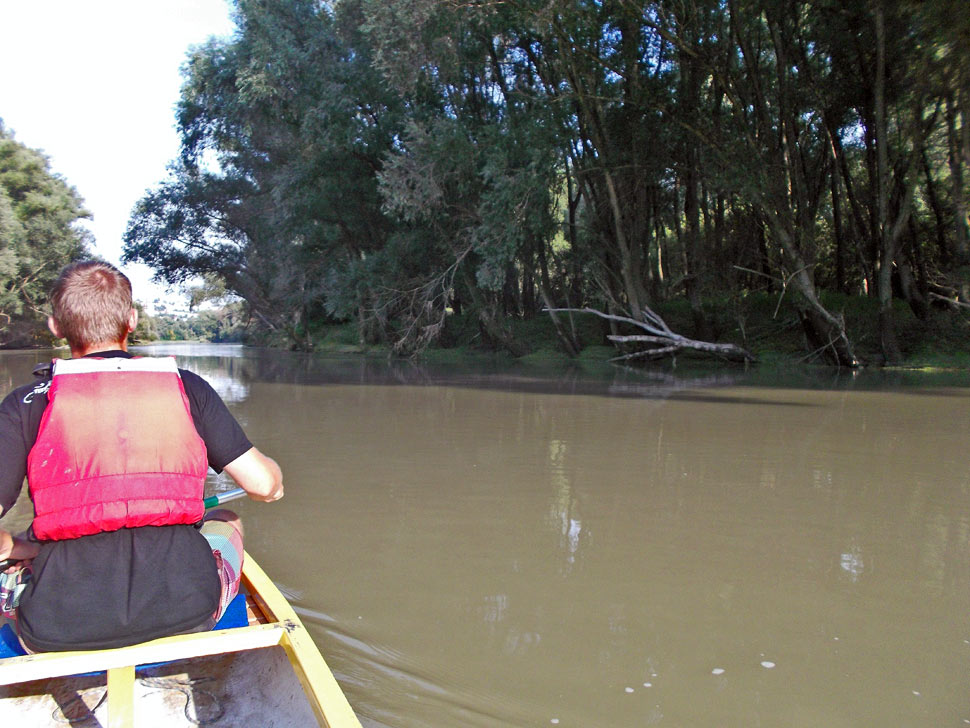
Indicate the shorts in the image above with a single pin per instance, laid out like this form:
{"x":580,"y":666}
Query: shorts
{"x":225,"y":540}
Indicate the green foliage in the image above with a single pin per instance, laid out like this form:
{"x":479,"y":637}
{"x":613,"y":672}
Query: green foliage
{"x":275,"y":192}
{"x":440,"y":171}
{"x":39,"y":235}
{"x":340,"y":337}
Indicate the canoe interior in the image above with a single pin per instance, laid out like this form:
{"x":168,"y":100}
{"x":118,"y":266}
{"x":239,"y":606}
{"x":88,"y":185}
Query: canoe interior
{"x":253,"y":688}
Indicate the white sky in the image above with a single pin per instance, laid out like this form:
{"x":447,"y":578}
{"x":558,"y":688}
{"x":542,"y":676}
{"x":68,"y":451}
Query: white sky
{"x":93,"y":84}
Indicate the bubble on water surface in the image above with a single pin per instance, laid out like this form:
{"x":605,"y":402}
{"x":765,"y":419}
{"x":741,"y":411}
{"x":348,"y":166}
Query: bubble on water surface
{"x":648,"y":685}
{"x":717,"y":671}
{"x":767,"y":664}
{"x":554,"y":721}
{"x":629,"y":690}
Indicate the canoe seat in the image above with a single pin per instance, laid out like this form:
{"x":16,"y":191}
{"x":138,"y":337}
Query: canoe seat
{"x":235,"y":616}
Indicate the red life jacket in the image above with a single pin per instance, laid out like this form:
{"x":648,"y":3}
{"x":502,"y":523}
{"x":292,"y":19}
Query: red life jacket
{"x":116,"y":448}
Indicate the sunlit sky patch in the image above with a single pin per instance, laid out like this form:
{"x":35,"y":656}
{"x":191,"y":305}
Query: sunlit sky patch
{"x":94,"y":86}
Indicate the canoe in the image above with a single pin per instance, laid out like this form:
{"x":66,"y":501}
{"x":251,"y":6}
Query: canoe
{"x":265,"y":672}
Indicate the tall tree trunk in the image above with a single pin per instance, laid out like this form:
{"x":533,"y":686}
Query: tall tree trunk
{"x":938,"y":216}
{"x":913,"y":287}
{"x":724,"y":266}
{"x":825,"y":330}
{"x":632,"y":280}
{"x":837,"y":230}
{"x":692,"y":251}
{"x":529,"y":307}
{"x":510,"y":291}
{"x":573,"y":196}
{"x":887,"y":326}
{"x":860,"y":227}
{"x":694,"y":257}
{"x":567,"y":337}
{"x":957,"y":160}
{"x":592,"y":113}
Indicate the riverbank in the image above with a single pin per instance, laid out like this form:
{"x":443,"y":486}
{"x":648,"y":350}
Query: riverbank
{"x":764,"y":325}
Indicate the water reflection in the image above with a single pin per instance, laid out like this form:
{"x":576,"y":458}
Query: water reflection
{"x":565,"y":509}
{"x":219,"y":364}
{"x":495,"y":608}
{"x":852,"y":563}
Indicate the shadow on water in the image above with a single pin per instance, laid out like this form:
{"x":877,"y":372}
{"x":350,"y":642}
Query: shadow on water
{"x":261,"y":365}
{"x":232,"y":368}
{"x":245,"y":365}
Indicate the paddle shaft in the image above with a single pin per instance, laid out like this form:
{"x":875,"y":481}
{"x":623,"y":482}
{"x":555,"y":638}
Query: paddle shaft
{"x":211,"y":502}
{"x":217,"y":500}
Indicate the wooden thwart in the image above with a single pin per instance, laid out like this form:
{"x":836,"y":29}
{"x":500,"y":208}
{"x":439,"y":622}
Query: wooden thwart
{"x":121,"y":703}
{"x":167,"y":649}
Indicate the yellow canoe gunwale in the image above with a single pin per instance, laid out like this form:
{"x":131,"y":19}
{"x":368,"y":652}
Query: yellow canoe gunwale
{"x":283,"y":628}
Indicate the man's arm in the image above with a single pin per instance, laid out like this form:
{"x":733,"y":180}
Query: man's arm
{"x":17,"y":424}
{"x":258,"y":475}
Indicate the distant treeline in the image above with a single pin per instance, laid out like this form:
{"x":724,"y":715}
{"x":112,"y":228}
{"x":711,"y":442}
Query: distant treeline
{"x":226,"y":324}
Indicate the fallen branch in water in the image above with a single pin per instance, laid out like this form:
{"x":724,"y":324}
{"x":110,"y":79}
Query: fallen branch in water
{"x":659,"y":333}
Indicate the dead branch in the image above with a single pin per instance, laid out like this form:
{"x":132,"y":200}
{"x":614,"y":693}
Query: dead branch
{"x":954,"y":302}
{"x":648,"y":354}
{"x":659,"y":333}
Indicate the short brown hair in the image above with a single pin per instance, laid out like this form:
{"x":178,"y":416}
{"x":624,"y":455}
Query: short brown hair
{"x":91,"y":303}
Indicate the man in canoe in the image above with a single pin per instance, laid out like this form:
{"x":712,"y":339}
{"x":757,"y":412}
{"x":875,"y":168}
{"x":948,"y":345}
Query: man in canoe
{"x":115,"y":450}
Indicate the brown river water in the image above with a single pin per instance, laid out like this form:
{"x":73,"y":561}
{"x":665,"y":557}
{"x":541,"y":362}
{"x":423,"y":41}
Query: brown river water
{"x":501,"y":546}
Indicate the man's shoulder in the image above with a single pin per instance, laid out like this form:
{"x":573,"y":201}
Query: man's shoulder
{"x":203,"y":398}
{"x":194,"y":382}
{"x":23,"y":407}
{"x":32,"y":393}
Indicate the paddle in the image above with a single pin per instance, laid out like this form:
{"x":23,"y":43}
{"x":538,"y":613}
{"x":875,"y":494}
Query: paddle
{"x":211,"y":502}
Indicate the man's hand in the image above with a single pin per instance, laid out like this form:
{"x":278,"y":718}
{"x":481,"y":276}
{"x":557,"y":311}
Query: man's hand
{"x":258,"y":475}
{"x":17,"y":548}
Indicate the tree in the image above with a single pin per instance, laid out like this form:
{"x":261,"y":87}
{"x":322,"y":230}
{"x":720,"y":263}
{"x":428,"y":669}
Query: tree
{"x":39,"y":235}
{"x":885,"y":90}
{"x":275,"y":191}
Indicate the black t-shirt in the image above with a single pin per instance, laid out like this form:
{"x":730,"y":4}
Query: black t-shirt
{"x":121,"y":587}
